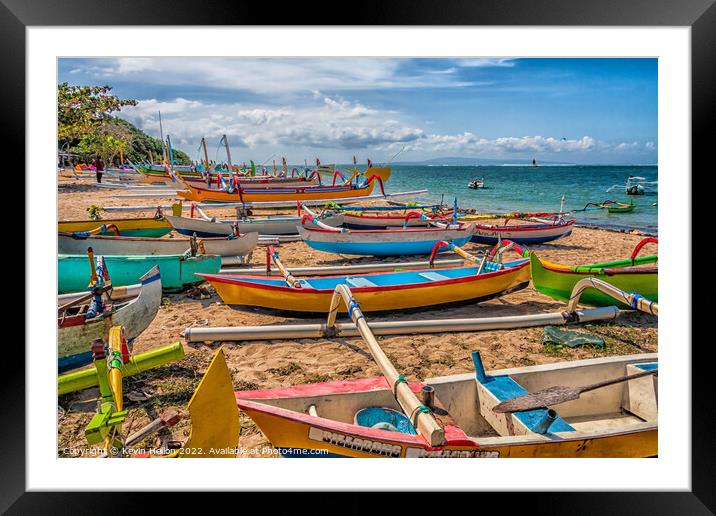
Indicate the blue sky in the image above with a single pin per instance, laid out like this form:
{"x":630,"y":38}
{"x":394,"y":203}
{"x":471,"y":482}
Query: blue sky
{"x":587,"y":111}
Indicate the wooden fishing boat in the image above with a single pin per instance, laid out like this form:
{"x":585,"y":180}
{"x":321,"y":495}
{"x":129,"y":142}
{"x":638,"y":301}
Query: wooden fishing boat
{"x":523,"y":233}
{"x":249,"y":194}
{"x":76,"y":332}
{"x":410,"y":219}
{"x":150,"y":227}
{"x":74,"y":243}
{"x":620,"y":207}
{"x":271,"y":225}
{"x":379,"y":291}
{"x":178,"y":271}
{"x":611,"y":206}
{"x":638,"y":274}
{"x":361,"y":418}
{"x":388,"y":242}
{"x":198,"y":180}
{"x":476,"y":183}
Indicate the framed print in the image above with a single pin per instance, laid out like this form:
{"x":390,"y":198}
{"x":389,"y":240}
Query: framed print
{"x":430,"y":234}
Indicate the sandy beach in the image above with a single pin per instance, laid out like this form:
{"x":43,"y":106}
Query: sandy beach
{"x":261,"y":365}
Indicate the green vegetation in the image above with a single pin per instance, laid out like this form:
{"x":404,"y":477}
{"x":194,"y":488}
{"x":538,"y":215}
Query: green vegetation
{"x":86,"y":126}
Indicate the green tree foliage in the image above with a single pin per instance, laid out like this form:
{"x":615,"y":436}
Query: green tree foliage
{"x":86,"y":126}
{"x":84,"y":109}
{"x":142,"y":144}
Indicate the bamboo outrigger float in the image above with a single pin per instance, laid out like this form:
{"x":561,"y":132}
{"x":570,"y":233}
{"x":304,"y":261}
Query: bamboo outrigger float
{"x":453,"y":416}
{"x":572,"y":315}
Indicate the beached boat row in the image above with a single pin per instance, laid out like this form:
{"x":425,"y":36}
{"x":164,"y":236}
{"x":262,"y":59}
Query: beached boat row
{"x":612,"y":410}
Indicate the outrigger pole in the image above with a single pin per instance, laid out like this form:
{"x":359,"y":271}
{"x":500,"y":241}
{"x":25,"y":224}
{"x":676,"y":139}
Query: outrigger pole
{"x":331,"y":330}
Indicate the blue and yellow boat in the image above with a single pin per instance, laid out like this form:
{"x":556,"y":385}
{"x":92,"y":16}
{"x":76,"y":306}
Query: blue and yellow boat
{"x":384,"y":242}
{"x":376,"y":292}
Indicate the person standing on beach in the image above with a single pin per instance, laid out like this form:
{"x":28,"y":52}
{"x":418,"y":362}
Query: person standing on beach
{"x":99,"y":168}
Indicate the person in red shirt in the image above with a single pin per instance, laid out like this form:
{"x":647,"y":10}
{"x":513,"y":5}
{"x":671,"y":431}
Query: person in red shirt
{"x":99,"y":168}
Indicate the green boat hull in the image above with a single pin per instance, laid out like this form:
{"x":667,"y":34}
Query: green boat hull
{"x":558,"y":284}
{"x":178,"y":272}
{"x":621,"y":209}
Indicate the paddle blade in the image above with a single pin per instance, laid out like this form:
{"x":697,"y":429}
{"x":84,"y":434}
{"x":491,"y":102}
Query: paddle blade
{"x":542,"y":399}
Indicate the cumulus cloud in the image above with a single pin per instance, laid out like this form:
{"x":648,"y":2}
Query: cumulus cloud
{"x":334,"y":122}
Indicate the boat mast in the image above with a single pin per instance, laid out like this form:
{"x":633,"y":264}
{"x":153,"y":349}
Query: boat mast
{"x":228,"y":152}
{"x":206,"y":155}
{"x":164,"y":145}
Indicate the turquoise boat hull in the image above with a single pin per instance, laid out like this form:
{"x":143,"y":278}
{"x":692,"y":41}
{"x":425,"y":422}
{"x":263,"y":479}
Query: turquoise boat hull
{"x":178,"y":272}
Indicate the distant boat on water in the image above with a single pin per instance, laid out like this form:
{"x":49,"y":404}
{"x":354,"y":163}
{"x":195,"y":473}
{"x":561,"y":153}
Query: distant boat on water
{"x":534,"y":162}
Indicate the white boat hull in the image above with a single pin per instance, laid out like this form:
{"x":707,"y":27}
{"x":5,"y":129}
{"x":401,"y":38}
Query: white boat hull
{"x":129,"y":246}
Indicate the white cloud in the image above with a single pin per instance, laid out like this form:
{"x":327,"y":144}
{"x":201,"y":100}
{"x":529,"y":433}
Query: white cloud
{"x":334,"y":122}
{"x":485,"y":62}
{"x":266,"y":76}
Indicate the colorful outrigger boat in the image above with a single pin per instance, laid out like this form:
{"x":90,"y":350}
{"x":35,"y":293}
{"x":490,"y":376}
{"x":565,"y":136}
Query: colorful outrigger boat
{"x":76,"y":243}
{"x":178,"y":271}
{"x":357,"y":418}
{"x":271,"y":225}
{"x":523,"y":233}
{"x":78,"y":327}
{"x":249,"y":194}
{"x":384,"y":242}
{"x":639,"y":274}
{"x":376,"y":292}
{"x":614,"y":415}
{"x":199,"y":180}
{"x":611,"y":206}
{"x":149,"y":227}
{"x":410,"y":219}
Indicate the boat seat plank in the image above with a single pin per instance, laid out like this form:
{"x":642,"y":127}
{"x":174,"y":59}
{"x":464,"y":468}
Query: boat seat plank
{"x":360,"y":282}
{"x":503,"y":388}
{"x":433,"y":276}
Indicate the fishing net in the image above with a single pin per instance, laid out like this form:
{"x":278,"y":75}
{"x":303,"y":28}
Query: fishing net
{"x":557,"y":336}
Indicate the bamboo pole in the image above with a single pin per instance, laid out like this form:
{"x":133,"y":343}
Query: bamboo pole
{"x":320,"y":224}
{"x":85,"y":378}
{"x":630,"y":298}
{"x":421,"y":417}
{"x":206,"y":157}
{"x":290,"y":280}
{"x":322,"y":331}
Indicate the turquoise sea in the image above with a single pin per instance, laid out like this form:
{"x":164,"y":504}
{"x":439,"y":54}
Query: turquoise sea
{"x":526,"y":188}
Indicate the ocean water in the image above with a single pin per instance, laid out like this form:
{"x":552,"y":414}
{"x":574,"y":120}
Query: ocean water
{"x":526,"y":188}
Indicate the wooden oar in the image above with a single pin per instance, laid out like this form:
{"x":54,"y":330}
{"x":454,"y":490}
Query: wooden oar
{"x":559,"y":394}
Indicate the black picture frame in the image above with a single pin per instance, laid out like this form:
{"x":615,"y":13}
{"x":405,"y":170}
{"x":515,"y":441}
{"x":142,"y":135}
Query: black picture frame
{"x":700,"y":15}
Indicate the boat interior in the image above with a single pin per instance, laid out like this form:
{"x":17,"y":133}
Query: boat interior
{"x":613,"y":409}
